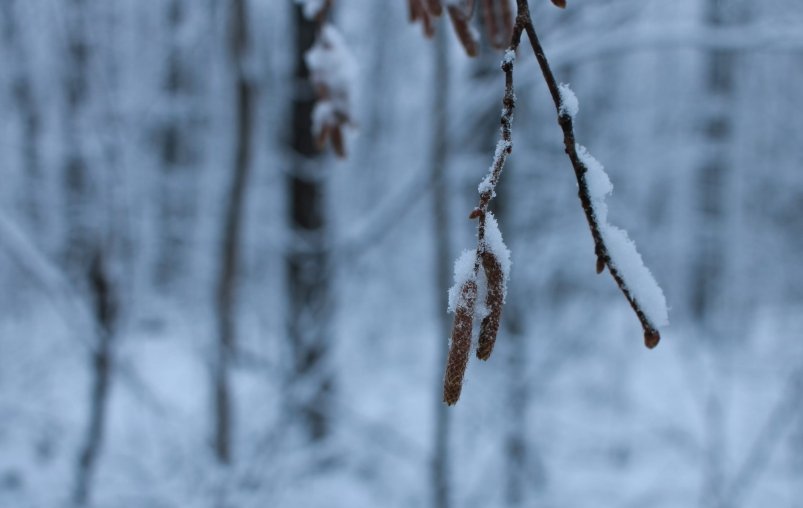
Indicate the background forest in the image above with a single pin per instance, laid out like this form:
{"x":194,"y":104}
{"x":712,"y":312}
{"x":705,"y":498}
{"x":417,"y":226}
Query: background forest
{"x":199,"y":310}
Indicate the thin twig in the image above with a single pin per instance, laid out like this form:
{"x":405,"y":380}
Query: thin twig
{"x":524,"y":22}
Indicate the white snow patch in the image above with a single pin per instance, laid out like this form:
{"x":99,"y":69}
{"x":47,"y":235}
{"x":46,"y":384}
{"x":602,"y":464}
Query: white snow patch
{"x":509,"y":58}
{"x":569,"y":105}
{"x":487,"y":184}
{"x":638,"y":278}
{"x":599,"y":185}
{"x":463,"y":272}
{"x":333,"y":69}
{"x":496,"y":245}
{"x":323,"y":114}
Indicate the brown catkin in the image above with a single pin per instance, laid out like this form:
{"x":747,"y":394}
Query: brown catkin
{"x":460,"y":344}
{"x":434,"y":7}
{"x":493,"y":301}
{"x":338,"y":144}
{"x":462,"y":28}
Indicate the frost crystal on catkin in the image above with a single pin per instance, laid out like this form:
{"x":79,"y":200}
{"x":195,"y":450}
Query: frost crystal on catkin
{"x":462,"y":297}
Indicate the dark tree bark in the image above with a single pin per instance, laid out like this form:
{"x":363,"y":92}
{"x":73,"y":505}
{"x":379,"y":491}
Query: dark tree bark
{"x":232,"y":227}
{"x":310,"y":379}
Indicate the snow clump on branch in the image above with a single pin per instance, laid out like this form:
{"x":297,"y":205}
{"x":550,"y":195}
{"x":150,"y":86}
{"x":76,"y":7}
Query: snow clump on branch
{"x":333,"y":69}
{"x":569,"y":105}
{"x":625,"y":258}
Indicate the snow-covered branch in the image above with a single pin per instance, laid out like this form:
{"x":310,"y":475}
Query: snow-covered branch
{"x":612,"y":246}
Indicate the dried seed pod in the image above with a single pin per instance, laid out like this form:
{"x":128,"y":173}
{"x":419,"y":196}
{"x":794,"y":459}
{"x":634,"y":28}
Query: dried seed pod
{"x":337,"y":141}
{"x":651,"y":337}
{"x":493,"y":301}
{"x":419,"y":12}
{"x":462,"y":28}
{"x":560,"y":3}
{"x":460,"y":344}
{"x":323,"y":135}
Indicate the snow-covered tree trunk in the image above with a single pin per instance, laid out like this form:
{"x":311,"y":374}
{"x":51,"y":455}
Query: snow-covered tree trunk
{"x":310,"y":377}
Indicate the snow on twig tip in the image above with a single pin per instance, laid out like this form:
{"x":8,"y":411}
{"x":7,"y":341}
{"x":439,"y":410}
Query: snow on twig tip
{"x":509,"y":58}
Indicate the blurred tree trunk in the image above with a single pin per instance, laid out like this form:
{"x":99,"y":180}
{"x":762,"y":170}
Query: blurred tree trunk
{"x":238,"y":39}
{"x":22,"y":92}
{"x":716,"y":175}
{"x":310,"y":378}
{"x":104,"y":307}
{"x":441,"y":482}
{"x":76,"y":174}
{"x":179,"y":157}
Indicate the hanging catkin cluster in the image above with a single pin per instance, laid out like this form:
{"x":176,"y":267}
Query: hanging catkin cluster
{"x":332,"y":69}
{"x":481,"y":275}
